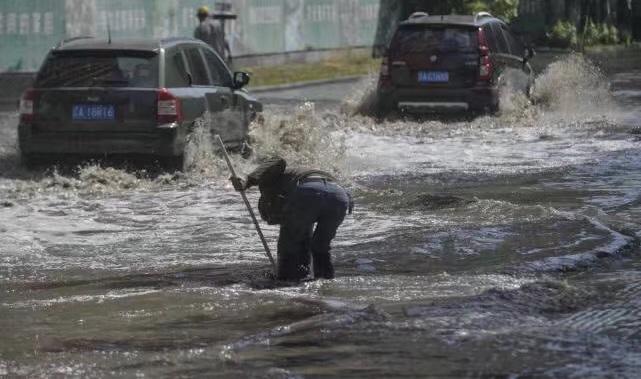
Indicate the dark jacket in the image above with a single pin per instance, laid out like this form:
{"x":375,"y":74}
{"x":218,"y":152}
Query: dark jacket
{"x":211,"y":32}
{"x":275,"y":182}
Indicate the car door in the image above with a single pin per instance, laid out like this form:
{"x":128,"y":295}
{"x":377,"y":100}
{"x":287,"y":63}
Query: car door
{"x":178,"y":80}
{"x":227,"y":109}
{"x":201,"y":86}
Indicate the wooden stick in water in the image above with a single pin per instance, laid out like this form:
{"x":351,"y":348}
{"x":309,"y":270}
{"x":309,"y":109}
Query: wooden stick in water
{"x":248,"y":205}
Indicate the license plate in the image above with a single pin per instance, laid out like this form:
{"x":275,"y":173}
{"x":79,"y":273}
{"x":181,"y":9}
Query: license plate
{"x":433,"y":76}
{"x":93,"y":112}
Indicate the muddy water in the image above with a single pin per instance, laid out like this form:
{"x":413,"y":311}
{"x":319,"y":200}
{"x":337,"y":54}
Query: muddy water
{"x":496,"y":246}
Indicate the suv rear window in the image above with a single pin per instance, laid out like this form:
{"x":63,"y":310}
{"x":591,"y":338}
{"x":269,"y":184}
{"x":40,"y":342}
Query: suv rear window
{"x":99,"y":69}
{"x":425,"y":39}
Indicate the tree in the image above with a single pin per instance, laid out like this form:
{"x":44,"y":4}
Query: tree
{"x":506,"y":9}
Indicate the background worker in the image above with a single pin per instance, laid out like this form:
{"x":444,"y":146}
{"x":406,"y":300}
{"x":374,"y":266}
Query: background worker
{"x":212,"y":33}
{"x":298,"y":199}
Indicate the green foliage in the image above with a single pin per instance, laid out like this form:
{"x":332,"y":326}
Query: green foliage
{"x":591,"y":34}
{"x":506,"y":9}
{"x":475,"y":6}
{"x":614,"y":36}
{"x":563,"y":34}
{"x":600,"y":34}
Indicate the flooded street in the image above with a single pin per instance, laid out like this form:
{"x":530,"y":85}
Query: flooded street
{"x":501,"y":245}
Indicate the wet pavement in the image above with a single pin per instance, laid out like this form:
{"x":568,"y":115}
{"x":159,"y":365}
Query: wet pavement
{"x":495,"y":246}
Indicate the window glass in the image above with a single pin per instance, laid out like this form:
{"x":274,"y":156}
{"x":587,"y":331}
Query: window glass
{"x":99,"y":69}
{"x":420,"y":39}
{"x":176,"y":72}
{"x":197,"y":67}
{"x":219,"y":73}
{"x":501,"y":43}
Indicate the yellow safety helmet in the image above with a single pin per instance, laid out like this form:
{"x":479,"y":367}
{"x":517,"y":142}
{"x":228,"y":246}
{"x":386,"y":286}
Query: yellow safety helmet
{"x":204,"y":10}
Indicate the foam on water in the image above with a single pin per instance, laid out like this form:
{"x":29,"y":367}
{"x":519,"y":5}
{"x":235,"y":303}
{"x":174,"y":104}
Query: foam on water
{"x":572,"y":103}
{"x":303,"y":138}
{"x":523,"y":140}
{"x":471,"y":275}
{"x":362,"y":99}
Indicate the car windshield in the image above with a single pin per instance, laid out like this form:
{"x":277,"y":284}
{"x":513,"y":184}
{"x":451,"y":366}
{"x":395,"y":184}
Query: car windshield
{"x":99,"y":69}
{"x":422,"y":39}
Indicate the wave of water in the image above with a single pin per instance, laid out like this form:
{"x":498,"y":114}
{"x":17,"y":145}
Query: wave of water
{"x":572,"y":103}
{"x":574,"y":85}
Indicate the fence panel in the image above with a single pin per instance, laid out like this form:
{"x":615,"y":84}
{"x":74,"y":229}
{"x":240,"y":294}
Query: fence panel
{"x":29,"y":28}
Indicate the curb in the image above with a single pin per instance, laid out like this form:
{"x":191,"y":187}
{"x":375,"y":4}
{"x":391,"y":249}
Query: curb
{"x":311,"y":83}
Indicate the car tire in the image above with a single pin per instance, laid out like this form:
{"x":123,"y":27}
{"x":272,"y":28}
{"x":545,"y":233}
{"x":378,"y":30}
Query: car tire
{"x":382,"y":109}
{"x":175,"y":163}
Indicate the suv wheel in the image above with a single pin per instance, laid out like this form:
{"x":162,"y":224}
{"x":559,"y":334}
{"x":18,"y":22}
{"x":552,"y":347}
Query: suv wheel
{"x":172,"y":164}
{"x":382,"y":108}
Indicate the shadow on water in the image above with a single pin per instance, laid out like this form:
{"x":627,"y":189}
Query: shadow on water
{"x":256,"y":278}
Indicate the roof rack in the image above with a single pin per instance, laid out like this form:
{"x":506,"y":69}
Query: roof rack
{"x":68,"y":40}
{"x":480,"y":15}
{"x":416,"y":15}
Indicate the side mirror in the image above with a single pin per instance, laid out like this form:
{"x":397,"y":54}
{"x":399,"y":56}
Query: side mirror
{"x":241,"y":79}
{"x":528,"y":53}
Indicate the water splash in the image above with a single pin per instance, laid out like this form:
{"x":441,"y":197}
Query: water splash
{"x":304,"y":138}
{"x":363,"y":98}
{"x":201,"y":157}
{"x":571,"y":95}
{"x":573,"y":85}
{"x":572,"y":89}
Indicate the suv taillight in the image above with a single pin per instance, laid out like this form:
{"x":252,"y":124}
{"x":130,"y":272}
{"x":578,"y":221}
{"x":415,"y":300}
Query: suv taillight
{"x":485,"y":63}
{"x":385,"y":67}
{"x":169,"y":109}
{"x":27,"y":105}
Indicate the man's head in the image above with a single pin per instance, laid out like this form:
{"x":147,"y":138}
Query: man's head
{"x":203,"y":13}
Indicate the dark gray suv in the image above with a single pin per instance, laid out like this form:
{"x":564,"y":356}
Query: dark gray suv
{"x":452,"y":63}
{"x":99,"y":97}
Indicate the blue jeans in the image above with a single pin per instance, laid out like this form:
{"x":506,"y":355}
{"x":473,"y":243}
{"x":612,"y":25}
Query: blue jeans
{"x":321,"y":203}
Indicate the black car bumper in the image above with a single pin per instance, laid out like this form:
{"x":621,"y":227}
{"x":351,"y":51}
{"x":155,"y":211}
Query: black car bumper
{"x":157,"y":143}
{"x":421,"y":100}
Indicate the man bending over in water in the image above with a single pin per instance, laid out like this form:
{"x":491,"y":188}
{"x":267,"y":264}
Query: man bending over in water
{"x":298,"y":199}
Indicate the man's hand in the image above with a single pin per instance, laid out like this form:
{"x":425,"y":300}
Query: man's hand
{"x":238,"y":183}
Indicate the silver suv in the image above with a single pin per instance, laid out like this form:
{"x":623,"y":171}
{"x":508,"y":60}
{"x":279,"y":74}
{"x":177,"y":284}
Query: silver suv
{"x":143,"y":97}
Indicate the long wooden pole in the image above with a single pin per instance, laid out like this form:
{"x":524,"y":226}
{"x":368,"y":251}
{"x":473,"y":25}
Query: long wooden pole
{"x":248,"y":205}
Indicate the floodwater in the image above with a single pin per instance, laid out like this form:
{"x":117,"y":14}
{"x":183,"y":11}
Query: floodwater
{"x":498,"y":246}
